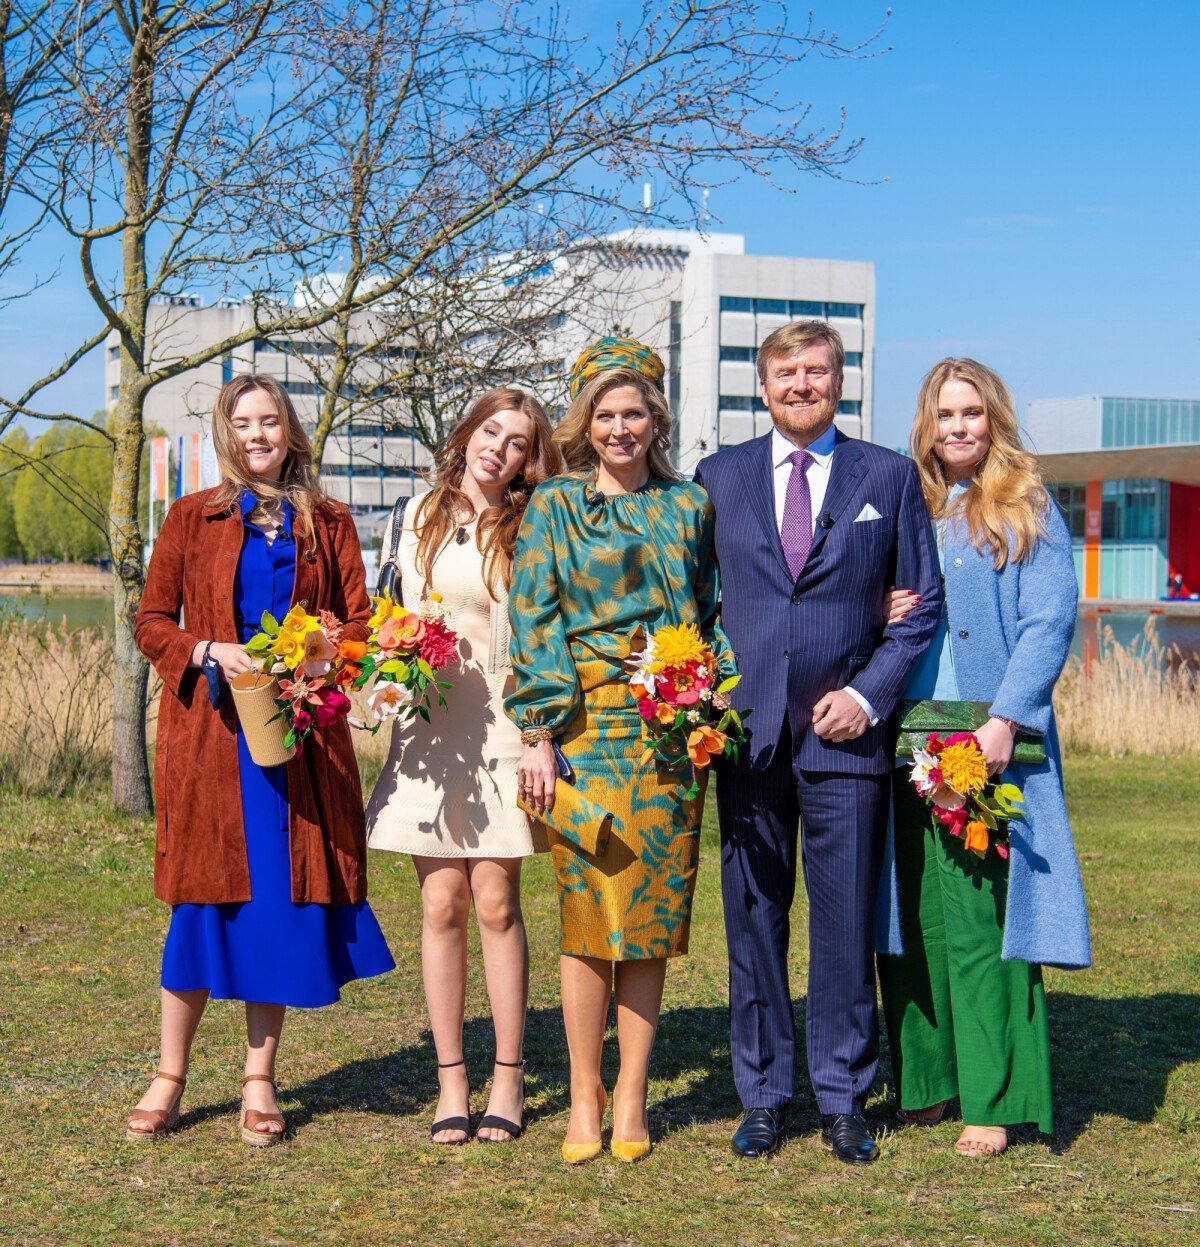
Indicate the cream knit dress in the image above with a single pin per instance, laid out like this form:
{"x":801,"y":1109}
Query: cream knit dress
{"x":449,"y":787}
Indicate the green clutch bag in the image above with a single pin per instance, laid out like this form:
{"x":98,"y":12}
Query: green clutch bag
{"x":919,"y":718}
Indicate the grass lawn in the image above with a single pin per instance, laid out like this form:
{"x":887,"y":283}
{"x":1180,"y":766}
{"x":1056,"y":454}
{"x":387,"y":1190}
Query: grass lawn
{"x":78,"y":1032}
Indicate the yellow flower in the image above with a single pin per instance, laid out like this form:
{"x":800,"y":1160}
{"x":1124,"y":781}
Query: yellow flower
{"x":290,"y":648}
{"x":676,"y":645}
{"x":964,"y":767}
{"x":385,"y":608}
{"x":298,"y":623}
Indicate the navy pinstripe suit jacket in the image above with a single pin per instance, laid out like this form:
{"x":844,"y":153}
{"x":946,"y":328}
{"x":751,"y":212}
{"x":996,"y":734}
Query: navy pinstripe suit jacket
{"x":797,"y":641}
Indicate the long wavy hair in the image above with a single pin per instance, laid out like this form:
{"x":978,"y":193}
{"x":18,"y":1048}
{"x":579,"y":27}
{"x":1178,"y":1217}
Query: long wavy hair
{"x":1005,"y":513}
{"x":442,"y":509}
{"x":297,"y":483}
{"x":573,"y":434}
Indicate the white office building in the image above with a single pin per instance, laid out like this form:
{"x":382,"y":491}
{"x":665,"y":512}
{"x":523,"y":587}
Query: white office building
{"x":700,"y":300}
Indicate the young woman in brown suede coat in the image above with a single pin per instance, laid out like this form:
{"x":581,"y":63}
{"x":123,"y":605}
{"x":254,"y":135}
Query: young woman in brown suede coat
{"x":264,"y":867}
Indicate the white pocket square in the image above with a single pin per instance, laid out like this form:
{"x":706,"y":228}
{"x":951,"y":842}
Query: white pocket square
{"x":867,"y":513}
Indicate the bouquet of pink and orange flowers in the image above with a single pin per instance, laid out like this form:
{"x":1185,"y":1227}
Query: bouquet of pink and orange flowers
{"x":403,"y":654}
{"x":312,"y":663}
{"x":686,"y":716}
{"x":952,"y":776}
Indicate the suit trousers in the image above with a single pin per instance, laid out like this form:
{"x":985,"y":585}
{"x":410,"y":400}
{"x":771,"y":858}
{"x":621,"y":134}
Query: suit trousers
{"x":841,"y":821}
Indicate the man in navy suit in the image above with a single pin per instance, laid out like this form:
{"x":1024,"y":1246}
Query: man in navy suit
{"x":812,"y":528}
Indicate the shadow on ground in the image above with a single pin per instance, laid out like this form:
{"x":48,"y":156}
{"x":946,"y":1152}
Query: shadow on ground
{"x":1111,"y":1057}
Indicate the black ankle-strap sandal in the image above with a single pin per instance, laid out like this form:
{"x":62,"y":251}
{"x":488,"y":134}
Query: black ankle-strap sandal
{"x":491,"y":1122}
{"x":454,"y":1123}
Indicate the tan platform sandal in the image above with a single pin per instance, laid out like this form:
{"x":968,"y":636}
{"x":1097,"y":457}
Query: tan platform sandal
{"x":251,"y":1118}
{"x":160,"y":1120}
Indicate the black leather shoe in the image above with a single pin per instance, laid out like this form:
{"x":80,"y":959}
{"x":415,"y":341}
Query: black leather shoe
{"x":760,"y":1133}
{"x":848,"y":1138}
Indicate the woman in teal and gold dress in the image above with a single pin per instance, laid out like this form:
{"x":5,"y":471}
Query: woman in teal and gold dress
{"x":617,"y":544}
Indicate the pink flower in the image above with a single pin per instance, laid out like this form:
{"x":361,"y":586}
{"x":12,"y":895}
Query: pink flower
{"x":647,"y":709}
{"x":439,"y":645}
{"x":332,"y":704}
{"x":318,"y":653}
{"x":301,"y":720}
{"x":331,"y":625}
{"x":403,"y":633}
{"x":954,"y":820}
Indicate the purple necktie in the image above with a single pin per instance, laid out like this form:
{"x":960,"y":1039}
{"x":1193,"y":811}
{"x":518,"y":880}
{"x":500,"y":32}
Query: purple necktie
{"x":796,"y":532}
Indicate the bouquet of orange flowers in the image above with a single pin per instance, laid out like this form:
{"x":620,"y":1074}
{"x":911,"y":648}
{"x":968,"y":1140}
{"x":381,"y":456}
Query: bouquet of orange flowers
{"x":308,"y":656}
{"x":403,"y":653}
{"x":686,"y":716}
{"x":952,"y":776}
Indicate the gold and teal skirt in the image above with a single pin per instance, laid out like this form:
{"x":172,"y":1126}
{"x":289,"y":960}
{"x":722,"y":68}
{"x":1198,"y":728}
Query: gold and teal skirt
{"x":631,"y":900}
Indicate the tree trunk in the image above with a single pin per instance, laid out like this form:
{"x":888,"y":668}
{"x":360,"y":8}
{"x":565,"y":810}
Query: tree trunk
{"x":130,"y":771}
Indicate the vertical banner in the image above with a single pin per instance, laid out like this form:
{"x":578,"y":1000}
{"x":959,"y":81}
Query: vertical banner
{"x":195,"y":453}
{"x":179,"y":490}
{"x":158,"y":469}
{"x":1093,"y":508}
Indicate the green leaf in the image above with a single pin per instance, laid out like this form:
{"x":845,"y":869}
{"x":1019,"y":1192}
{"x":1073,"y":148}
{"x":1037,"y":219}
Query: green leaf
{"x":424,"y":713}
{"x":727,"y":686}
{"x":425,"y":669}
{"x":269,"y":624}
{"x":289,"y":738}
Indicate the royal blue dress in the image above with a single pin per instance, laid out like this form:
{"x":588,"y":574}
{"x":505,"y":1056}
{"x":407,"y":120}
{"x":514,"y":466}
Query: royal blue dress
{"x":268,"y":949}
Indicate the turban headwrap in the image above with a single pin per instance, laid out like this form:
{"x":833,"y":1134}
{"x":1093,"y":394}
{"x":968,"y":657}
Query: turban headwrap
{"x":617,"y":353}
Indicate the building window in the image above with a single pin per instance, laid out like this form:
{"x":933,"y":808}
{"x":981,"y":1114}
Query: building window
{"x":226,"y":368}
{"x":849,"y":407}
{"x":798,"y":309}
{"x":114,"y":354}
{"x":1072,"y":502}
{"x":303,"y":389}
{"x":854,"y":359}
{"x":739,"y":354}
{"x":735,"y":402}
{"x":114,"y":393}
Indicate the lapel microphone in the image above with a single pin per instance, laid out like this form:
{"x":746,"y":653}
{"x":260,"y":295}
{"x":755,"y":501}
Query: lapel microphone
{"x":824,"y":520}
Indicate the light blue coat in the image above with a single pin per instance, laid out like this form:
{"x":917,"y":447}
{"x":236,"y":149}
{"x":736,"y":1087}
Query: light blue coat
{"x":1010,"y":632}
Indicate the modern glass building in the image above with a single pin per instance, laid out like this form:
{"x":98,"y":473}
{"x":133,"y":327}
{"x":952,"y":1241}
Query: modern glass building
{"x":1126,"y":472}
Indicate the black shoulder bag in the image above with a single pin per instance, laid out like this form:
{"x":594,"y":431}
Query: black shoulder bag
{"x":389,"y":581}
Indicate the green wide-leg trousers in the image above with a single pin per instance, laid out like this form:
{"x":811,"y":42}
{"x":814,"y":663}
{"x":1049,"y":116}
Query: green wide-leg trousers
{"x":960,"y":1021}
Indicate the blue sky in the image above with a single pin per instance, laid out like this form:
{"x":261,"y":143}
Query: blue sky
{"x":1029,"y":192}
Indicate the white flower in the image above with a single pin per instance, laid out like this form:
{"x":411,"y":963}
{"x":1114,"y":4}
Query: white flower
{"x":432,"y":610}
{"x":644,"y":683}
{"x":923,"y":763}
{"x":388,"y":700}
{"x":693,"y":716}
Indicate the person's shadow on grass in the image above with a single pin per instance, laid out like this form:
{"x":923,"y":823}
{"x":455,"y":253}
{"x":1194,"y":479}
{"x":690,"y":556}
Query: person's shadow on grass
{"x":1114,"y":1056}
{"x":691,"y":1052}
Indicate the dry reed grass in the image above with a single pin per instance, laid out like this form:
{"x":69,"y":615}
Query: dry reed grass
{"x":56,"y":707}
{"x":1138,"y":699}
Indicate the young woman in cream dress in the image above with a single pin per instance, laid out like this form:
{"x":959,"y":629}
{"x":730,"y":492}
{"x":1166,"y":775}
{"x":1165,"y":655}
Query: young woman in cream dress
{"x":448,"y":792}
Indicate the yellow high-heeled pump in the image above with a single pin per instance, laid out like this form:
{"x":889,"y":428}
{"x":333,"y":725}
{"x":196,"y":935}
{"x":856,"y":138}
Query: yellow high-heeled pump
{"x":630,"y":1152}
{"x":580,"y":1153}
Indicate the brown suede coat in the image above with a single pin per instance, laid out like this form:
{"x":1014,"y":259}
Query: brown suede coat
{"x":201,"y":848}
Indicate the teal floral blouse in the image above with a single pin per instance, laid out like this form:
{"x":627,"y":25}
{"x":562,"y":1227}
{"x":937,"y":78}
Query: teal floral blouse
{"x":588,"y":569}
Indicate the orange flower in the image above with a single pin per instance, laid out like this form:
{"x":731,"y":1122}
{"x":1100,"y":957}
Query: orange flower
{"x":666,"y":714}
{"x":348,"y":672}
{"x":975,"y":837}
{"x":352,"y":650}
{"x":704,"y":744}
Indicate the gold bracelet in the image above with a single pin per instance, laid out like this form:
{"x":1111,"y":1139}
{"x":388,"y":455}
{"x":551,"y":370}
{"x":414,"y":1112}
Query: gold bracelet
{"x":535,"y":735}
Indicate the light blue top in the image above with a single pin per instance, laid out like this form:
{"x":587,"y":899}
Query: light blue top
{"x":933,"y":677}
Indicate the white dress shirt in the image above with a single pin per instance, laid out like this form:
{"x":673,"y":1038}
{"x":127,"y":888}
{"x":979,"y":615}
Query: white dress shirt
{"x":818,"y":483}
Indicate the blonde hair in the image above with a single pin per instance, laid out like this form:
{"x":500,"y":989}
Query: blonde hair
{"x":573,"y":434}
{"x":297,"y":483}
{"x":1005,"y":512}
{"x":497,"y":530}
{"x":789,"y":339}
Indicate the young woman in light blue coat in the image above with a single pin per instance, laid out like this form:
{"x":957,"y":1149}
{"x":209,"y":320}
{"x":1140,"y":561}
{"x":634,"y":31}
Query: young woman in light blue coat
{"x":965,"y":937}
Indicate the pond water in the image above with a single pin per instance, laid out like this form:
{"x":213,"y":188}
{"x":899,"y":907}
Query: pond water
{"x":91,"y":610}
{"x":1181,"y":631}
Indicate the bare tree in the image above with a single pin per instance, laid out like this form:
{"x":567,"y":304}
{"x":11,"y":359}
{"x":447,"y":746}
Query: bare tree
{"x":239,"y":147}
